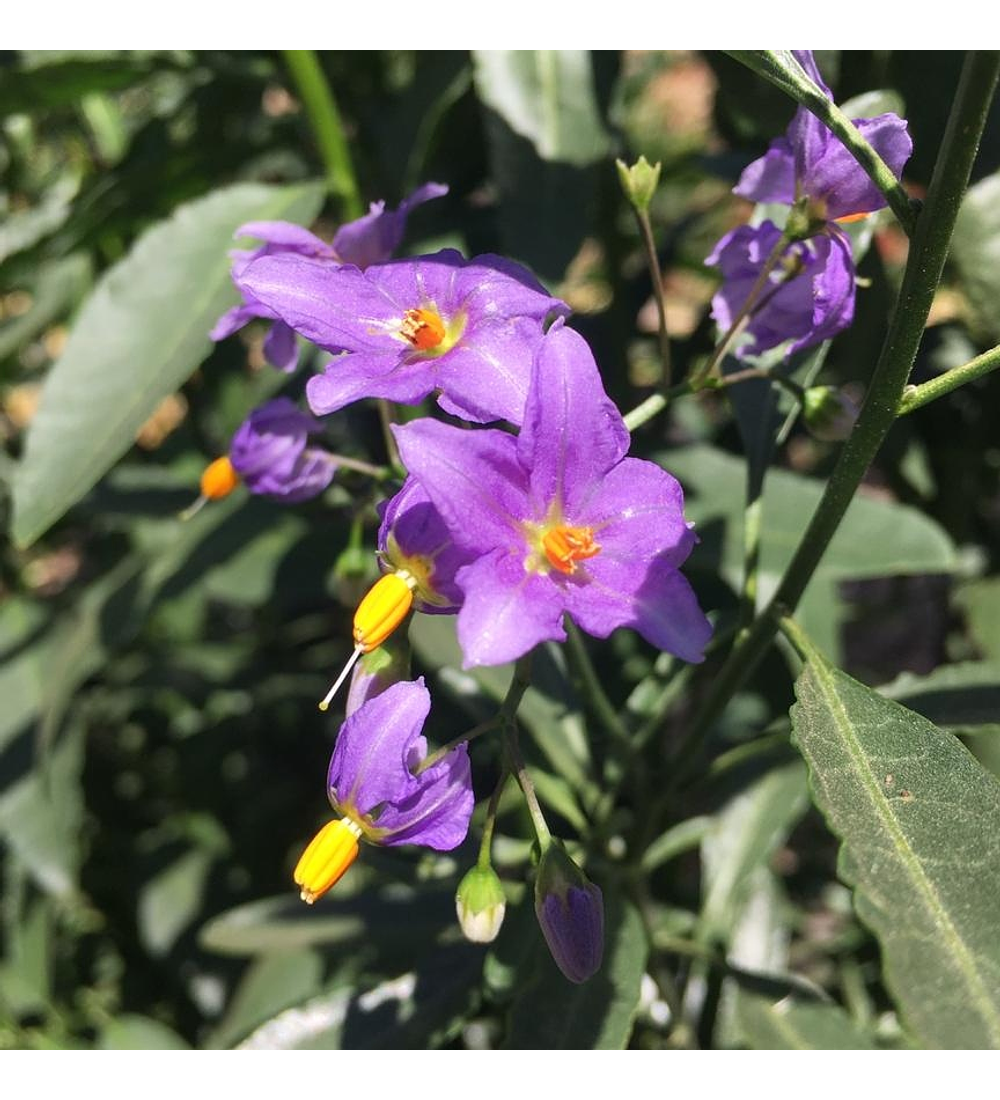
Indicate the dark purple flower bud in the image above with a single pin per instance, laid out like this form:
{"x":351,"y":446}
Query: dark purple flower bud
{"x":270,"y":454}
{"x":570,"y":910}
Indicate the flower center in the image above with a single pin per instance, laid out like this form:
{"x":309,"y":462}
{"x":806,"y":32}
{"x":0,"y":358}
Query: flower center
{"x":423,"y":328}
{"x":564,"y":546}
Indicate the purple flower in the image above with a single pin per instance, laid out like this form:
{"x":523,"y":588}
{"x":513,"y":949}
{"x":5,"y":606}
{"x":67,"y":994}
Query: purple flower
{"x":369,"y":239}
{"x":373,"y":789}
{"x":270,"y":454}
{"x":465,"y":327}
{"x":809,"y":161}
{"x":809,"y":296}
{"x":413,"y":537}
{"x":570,"y":911}
{"x":559,"y":519}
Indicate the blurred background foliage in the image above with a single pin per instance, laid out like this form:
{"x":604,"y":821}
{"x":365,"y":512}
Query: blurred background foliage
{"x":161,"y":755}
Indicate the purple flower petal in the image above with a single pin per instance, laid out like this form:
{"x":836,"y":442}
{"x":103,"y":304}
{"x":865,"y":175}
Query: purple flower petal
{"x":770,"y":178}
{"x":833,"y":288}
{"x":839,"y":179}
{"x":373,"y":238}
{"x":572,"y":433}
{"x":234,"y":319}
{"x":285,"y":237}
{"x":507,"y":610}
{"x":334,"y":307}
{"x":573,"y":926}
{"x":370,"y":763}
{"x":472,"y":477}
{"x":655,"y":600}
{"x":280,"y":347}
{"x":269,"y":453}
{"x":367,"y":374}
{"x":437,"y":811}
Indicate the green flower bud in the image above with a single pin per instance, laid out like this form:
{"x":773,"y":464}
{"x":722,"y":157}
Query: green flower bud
{"x":639,"y":181}
{"x":829,"y":413}
{"x":480,"y":903}
{"x":570,"y":910}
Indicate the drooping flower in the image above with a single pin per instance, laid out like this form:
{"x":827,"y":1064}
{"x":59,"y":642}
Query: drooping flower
{"x":559,"y":519}
{"x":810,"y":162}
{"x":376,"y":794}
{"x":467,"y":328}
{"x":270,"y":454}
{"x":367,"y":240}
{"x":419,"y":560}
{"x":808,"y":296}
{"x":570,"y":911}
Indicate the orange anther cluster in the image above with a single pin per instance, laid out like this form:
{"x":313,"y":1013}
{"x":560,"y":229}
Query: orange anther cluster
{"x":331,"y":851}
{"x":847,"y":219}
{"x":423,"y":328}
{"x":384,"y":607}
{"x":565,"y":546}
{"x":219,"y":479}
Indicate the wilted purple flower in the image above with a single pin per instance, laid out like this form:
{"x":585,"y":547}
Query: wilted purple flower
{"x":413,"y":537}
{"x":375,"y":793}
{"x":270,"y":454}
{"x":810,"y":162}
{"x":465,"y":327}
{"x":570,"y":911}
{"x":809,"y":295}
{"x":367,"y":240}
{"x":559,"y":519}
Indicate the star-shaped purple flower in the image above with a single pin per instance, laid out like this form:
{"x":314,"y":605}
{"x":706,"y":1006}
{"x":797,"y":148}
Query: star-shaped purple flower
{"x":371,"y":780}
{"x":810,"y":161}
{"x":559,"y":519}
{"x":467,"y":328}
{"x":367,"y":240}
{"x":270,"y":453}
{"x":809,"y":296}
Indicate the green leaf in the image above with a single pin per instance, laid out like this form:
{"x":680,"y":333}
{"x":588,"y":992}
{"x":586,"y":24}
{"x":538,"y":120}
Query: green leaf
{"x":54,"y":289}
{"x":138,"y":337}
{"x":954,"y":696}
{"x":24,"y":229}
{"x":675,"y":841}
{"x":551,"y":1013}
{"x":134,"y":1032}
{"x":975,"y":249}
{"x":171,"y":901}
{"x":62,"y":83}
{"x":919,"y":822}
{"x":875,"y":539}
{"x":744,"y":836}
{"x":546,"y":96}
{"x":792,"y":1023}
{"x":980,"y":600}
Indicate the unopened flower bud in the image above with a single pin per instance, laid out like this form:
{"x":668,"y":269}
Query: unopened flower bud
{"x":570,"y":910}
{"x":829,"y":413}
{"x":639,"y":181}
{"x":480,"y":903}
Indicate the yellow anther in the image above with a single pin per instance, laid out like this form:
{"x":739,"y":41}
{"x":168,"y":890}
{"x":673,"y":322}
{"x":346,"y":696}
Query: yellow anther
{"x":331,"y":851}
{"x":564,"y":546}
{"x":847,"y":219}
{"x":423,"y":328}
{"x":384,"y":607}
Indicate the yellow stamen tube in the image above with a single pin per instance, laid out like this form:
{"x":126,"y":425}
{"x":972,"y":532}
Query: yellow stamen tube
{"x":385,"y":606}
{"x":331,"y":851}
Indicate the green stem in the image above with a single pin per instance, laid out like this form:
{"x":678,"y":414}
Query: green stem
{"x":380,"y":473}
{"x":594,"y":693}
{"x":328,"y":129}
{"x":439,"y":754}
{"x":491,"y":819}
{"x":520,"y":771}
{"x":916,"y":396}
{"x":923,"y":273}
{"x":804,"y":91}
{"x":751,"y":555}
{"x":653,"y":261}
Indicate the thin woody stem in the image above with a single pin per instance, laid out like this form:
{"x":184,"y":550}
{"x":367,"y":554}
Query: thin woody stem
{"x":486,"y":843}
{"x":653,"y":262}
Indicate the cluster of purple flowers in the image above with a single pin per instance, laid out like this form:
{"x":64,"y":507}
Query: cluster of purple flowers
{"x":510,"y":530}
{"x":795,"y":284}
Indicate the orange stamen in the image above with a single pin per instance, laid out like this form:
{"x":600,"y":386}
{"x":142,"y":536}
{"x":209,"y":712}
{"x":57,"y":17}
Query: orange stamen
{"x":565,"y":546}
{"x":219,"y":479}
{"x":848,"y":218}
{"x":423,"y":328}
{"x":331,"y":851}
